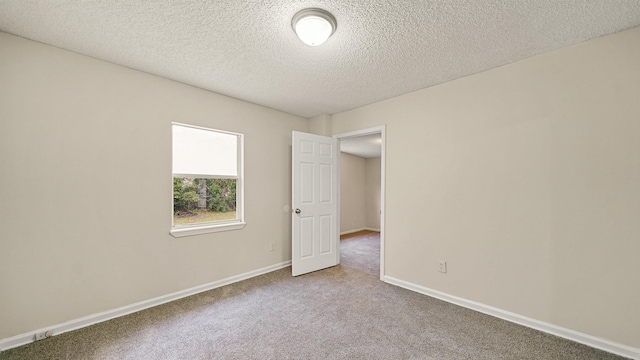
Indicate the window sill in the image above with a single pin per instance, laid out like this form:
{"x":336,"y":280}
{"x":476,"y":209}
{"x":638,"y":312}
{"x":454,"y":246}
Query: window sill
{"x":183,"y":231}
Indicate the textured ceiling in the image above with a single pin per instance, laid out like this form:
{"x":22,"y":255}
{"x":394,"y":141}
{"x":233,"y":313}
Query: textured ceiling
{"x":381,"y":49}
{"x":366,"y":146}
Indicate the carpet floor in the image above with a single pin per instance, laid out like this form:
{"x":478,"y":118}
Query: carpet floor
{"x":344,"y":312}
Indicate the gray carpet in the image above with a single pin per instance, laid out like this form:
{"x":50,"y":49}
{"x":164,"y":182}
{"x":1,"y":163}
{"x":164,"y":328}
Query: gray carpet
{"x":344,"y":312}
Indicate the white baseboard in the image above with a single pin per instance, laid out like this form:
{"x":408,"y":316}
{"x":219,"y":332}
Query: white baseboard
{"x":573,"y":335}
{"x":358,"y":230}
{"x":85,"y":321}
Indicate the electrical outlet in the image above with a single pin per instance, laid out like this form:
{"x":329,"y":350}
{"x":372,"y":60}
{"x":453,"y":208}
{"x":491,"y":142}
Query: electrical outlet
{"x":272,"y":246}
{"x":442,"y":266}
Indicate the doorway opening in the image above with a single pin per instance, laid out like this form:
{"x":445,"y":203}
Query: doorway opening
{"x":362,"y":187}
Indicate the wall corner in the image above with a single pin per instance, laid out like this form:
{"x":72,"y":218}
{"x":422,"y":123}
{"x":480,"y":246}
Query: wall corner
{"x":321,"y":125}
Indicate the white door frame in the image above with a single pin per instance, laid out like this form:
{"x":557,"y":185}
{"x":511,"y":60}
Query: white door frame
{"x":374,"y":130}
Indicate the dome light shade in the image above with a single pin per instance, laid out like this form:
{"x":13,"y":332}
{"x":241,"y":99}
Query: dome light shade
{"x":313,"y":26}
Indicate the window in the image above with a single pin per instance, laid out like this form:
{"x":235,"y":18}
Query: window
{"x":207,"y":180}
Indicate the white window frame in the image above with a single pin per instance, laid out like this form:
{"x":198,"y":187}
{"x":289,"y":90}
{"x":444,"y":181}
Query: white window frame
{"x":214,"y":226}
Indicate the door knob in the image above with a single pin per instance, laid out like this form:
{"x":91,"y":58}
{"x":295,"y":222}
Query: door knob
{"x":298,"y":211}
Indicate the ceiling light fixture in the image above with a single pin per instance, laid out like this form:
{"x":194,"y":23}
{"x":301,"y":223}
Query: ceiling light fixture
{"x":314,"y":26}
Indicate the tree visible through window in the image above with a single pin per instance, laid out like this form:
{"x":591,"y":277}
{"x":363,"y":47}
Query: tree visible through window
{"x":207,"y":168}
{"x":203,"y":200}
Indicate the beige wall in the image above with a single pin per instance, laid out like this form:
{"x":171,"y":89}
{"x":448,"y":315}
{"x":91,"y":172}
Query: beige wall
{"x":320,"y":125}
{"x":85,"y":195}
{"x":359,"y":193}
{"x":352,"y":193}
{"x":526,"y":180}
{"x":372,"y":193}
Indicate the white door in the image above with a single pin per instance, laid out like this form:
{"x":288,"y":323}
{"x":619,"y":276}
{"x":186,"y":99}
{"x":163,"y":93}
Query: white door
{"x":315,"y":203}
